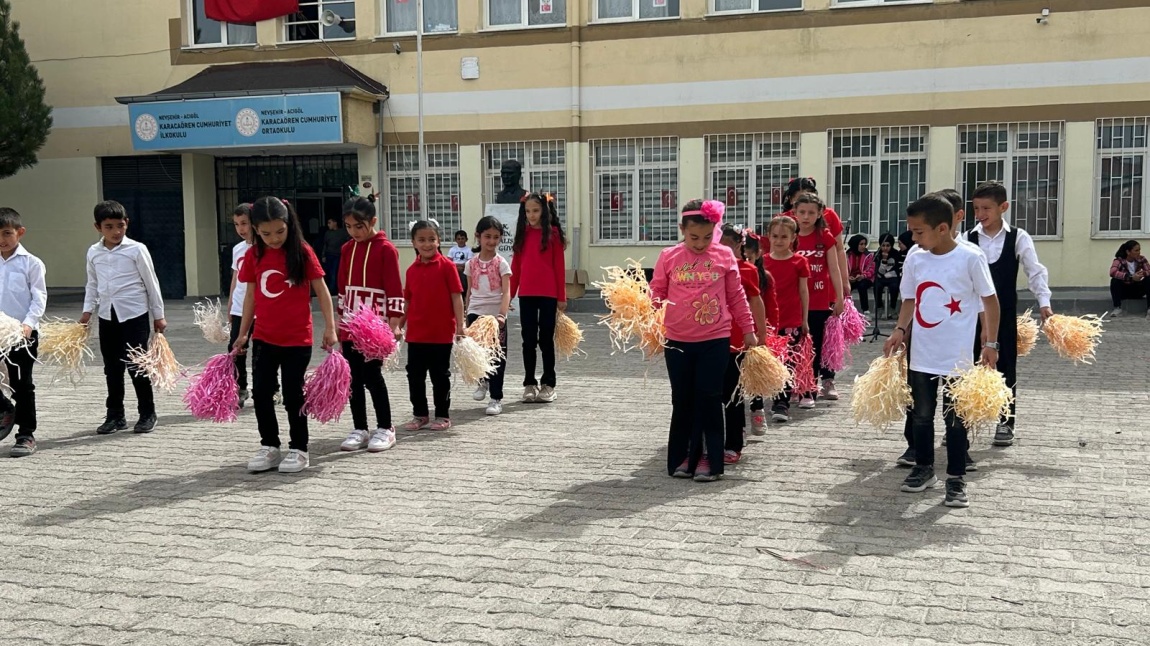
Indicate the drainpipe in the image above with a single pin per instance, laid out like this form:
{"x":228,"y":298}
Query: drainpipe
{"x":575,"y":184}
{"x":378,"y":184}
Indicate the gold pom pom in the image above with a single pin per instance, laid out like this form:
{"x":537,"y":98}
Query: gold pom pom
{"x":979,"y":396}
{"x":64,"y":345}
{"x":157,"y":362}
{"x":568,"y":336}
{"x":210,"y":317}
{"x":633,"y":313}
{"x":1027,"y":333}
{"x":762,"y":374}
{"x":473,"y":361}
{"x":1074,"y":337}
{"x":882,"y":394}
{"x":485,"y":331}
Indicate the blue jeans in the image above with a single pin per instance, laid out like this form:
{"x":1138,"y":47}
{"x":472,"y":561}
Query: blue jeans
{"x":924,"y":390}
{"x":696,"y":373}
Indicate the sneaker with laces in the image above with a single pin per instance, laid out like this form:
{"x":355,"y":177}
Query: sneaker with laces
{"x":495,"y":407}
{"x":25,"y":445}
{"x":294,"y":462}
{"x":415,"y":424}
{"x":480,"y":391}
{"x":807,"y":402}
{"x":530,"y":393}
{"x":113,"y":422}
{"x":956,"y":493}
{"x":703,"y":471}
{"x":971,"y":465}
{"x":382,"y":439}
{"x":355,"y":441}
{"x":758,"y":423}
{"x":440,"y":424}
{"x":266,"y":459}
{"x":920,"y":478}
{"x":278,"y":398}
{"x":7,"y":423}
{"x":827,"y":390}
{"x":731,"y":457}
{"x":1003,"y":435}
{"x":780,"y":416}
{"x":546,"y":395}
{"x":147,"y":424}
{"x":682,"y":471}
{"x":907,"y":459}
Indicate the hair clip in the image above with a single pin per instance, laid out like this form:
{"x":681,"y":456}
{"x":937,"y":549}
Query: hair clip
{"x":285,"y":202}
{"x":713,"y":211}
{"x":550,"y":197}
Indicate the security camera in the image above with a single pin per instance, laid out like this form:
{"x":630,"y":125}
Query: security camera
{"x":397,"y":48}
{"x":1043,"y":18}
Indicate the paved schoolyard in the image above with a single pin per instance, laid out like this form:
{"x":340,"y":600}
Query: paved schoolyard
{"x":557,"y":524}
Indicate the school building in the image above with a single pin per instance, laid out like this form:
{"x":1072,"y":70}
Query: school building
{"x":623,"y":108}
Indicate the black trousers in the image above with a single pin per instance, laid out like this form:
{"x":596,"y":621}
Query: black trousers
{"x":696,"y":371}
{"x":433,"y":359}
{"x":817,"y":322}
{"x":537,"y":315}
{"x":116,"y":337}
{"x":734,"y":408}
{"x":495,"y":381}
{"x":889,"y":286}
{"x":271,"y":365}
{"x":1120,"y":291}
{"x":240,"y":359}
{"x":367,"y":377}
{"x":924,"y":390}
{"x":19,"y":364}
{"x":782,"y":402}
{"x":863,"y":287}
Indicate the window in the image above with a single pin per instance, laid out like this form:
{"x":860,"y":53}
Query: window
{"x":1119,"y":174}
{"x":305,"y":24}
{"x":526,"y":13}
{"x":635,"y":189}
{"x":205,"y":31}
{"x":606,"y":10}
{"x":1027,"y":158}
{"x":439,"y":16}
{"x":544,"y":169}
{"x":749,"y":173}
{"x":442,"y":187}
{"x":876,"y":3}
{"x":746,"y":6}
{"x":875,"y":174}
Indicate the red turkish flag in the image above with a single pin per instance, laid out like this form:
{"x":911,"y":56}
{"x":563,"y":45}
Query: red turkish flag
{"x":249,"y":10}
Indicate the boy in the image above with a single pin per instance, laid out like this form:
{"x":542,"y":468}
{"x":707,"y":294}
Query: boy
{"x":943,"y":283}
{"x":23,"y":297}
{"x":122,"y":282}
{"x":1006,"y":248}
{"x":241,"y":219}
{"x":459,"y":255}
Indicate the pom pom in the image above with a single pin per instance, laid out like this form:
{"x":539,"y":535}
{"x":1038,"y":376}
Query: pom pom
{"x":214,"y":394}
{"x":568,"y":336}
{"x":157,"y":362}
{"x":1027,"y":334}
{"x":1074,"y":337}
{"x":485,"y":331}
{"x":762,"y":374}
{"x":64,"y":345}
{"x":803,"y":360}
{"x":854,"y":323}
{"x":212,"y":320}
{"x":778,"y":345}
{"x":370,"y":334}
{"x":327,"y":389}
{"x":633,"y":314}
{"x":713,"y":210}
{"x":11,"y":335}
{"x":836,"y":353}
{"x":979,"y":396}
{"x":473,"y":361}
{"x":881,"y":395}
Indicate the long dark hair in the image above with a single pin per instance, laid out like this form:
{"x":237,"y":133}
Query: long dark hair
{"x":853,"y":244}
{"x":549,"y":219}
{"x":794,"y":186}
{"x":487,"y":223}
{"x":1125,"y":248}
{"x":887,"y":237}
{"x":273,"y":209}
{"x":810,"y":198}
{"x":752,"y":244}
{"x":359,"y":208}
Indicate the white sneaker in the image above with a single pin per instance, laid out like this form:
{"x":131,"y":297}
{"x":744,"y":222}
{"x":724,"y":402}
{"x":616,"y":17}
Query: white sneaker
{"x":355,"y":441}
{"x":495,"y":407}
{"x":1116,"y":313}
{"x":530,"y":394}
{"x":265,"y":460}
{"x":295,"y":462}
{"x":827,"y":390}
{"x":807,"y":403}
{"x":381,"y":440}
{"x":546,"y":395}
{"x":480,"y":391}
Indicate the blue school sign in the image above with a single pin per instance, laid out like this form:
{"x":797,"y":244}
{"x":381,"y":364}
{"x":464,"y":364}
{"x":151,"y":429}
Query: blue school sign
{"x":248,"y":121}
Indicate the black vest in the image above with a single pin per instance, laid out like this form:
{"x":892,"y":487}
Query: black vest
{"x":1004,"y":272}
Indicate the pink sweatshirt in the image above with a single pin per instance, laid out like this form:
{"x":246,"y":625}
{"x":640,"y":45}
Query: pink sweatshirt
{"x":703,"y":293}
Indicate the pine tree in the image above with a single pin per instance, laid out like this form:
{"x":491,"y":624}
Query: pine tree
{"x":24,"y":117}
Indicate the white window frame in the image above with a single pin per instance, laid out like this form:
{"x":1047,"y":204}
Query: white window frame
{"x":840,"y":4}
{"x":634,"y":197}
{"x":763,"y":147}
{"x":1008,"y":158}
{"x":884,"y":137}
{"x":1103,"y":151}
{"x":634,"y":17}
{"x":191,"y":31}
{"x":532,"y":150}
{"x":712,"y":11}
{"x":383,"y":21}
{"x":487,"y":26}
{"x":450,"y":220}
{"x":287,"y":21}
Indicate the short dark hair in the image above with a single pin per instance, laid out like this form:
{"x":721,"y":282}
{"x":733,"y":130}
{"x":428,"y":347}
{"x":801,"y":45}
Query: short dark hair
{"x":244,"y":209}
{"x":934,"y":209}
{"x":461,"y":232}
{"x":991,"y":190}
{"x":109,"y":210}
{"x":10,"y":219}
{"x":952,"y":196}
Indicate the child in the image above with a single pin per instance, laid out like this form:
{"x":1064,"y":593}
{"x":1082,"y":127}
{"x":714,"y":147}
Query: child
{"x":753,"y":252}
{"x":368,"y":277}
{"x":24,"y":299}
{"x":539,"y":278}
{"x":734,"y":407}
{"x":1128,"y":274}
{"x":817,"y":245}
{"x":800,"y":186}
{"x":791,"y":273}
{"x":281,"y":271}
{"x":860,"y":269}
{"x":460,"y":254}
{"x":888,"y":273}
{"x":1006,"y":248}
{"x":122,"y":282}
{"x":490,"y":295}
{"x":697,"y":281}
{"x":433,"y":318}
{"x":241,"y":219}
{"x":942,"y":284}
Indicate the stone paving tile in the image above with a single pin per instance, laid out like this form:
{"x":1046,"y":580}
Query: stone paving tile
{"x":558,"y":525}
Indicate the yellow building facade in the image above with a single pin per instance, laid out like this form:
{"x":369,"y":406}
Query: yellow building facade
{"x":624,"y":108}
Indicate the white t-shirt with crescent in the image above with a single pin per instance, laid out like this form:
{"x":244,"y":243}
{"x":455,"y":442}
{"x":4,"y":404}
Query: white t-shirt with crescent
{"x":241,"y":291}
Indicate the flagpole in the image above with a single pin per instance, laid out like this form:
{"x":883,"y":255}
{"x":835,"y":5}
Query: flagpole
{"x":419,"y":86}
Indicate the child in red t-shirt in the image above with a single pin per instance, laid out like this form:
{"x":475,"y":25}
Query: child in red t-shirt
{"x":791,"y":273}
{"x":433,"y":318}
{"x":817,"y":245}
{"x":281,"y":271}
{"x":539,"y":279}
{"x":734,"y":408}
{"x":753,"y":252}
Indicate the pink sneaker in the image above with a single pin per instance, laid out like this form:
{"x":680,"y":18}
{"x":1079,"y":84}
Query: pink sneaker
{"x":440,"y":424}
{"x":731,"y":457}
{"x":703,"y":471}
{"x":759,"y":423}
{"x":415,"y":424}
{"x":683,"y":471}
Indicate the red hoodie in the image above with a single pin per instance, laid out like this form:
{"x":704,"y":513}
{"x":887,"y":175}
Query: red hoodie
{"x":369,"y":274}
{"x":536,"y":272}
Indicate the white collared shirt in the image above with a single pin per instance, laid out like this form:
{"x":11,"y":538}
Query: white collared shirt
{"x":1037,"y":277}
{"x":122,"y":277}
{"x":23,"y":294}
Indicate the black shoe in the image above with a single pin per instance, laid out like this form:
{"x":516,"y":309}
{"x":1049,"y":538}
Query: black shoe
{"x":920,"y":478}
{"x":943,"y":440}
{"x":971,"y":465}
{"x":907,"y":459}
{"x":146,"y":424}
{"x":1003,"y":435}
{"x":25,"y":445}
{"x":956,"y":493}
{"x":112,"y":423}
{"x":7,"y":423}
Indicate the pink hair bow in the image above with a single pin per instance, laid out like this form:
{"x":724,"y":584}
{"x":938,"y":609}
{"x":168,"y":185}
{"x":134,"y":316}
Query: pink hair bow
{"x":713,"y":210}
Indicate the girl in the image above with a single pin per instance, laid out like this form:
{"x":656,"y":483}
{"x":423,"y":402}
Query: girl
{"x":241,"y":219}
{"x":800,"y":186}
{"x":539,"y":278}
{"x":860,"y":269}
{"x":281,"y":271}
{"x":790,"y":273}
{"x":817,"y":245}
{"x":489,"y":277}
{"x":433,"y":319}
{"x":697,"y":281}
{"x":888,"y":274}
{"x":368,"y":276}
{"x":734,"y":407}
{"x":753,"y":252}
{"x":1128,"y":275}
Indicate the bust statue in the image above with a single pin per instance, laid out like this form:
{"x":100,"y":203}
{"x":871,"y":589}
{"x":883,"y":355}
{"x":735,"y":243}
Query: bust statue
{"x":511,"y":172}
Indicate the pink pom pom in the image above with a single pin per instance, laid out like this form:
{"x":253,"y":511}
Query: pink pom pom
{"x":370,"y":334}
{"x":778,"y":345}
{"x":327,"y":389}
{"x":803,"y":359}
{"x":713,"y":210}
{"x":854,"y":323}
{"x":213,"y":394}
{"x":836,"y":353}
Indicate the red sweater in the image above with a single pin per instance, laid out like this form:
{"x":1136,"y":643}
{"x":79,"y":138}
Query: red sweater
{"x":536,"y":272}
{"x":369,"y":274}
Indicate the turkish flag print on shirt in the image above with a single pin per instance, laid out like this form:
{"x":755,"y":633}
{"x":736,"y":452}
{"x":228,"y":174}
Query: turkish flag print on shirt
{"x":249,"y":10}
{"x":282,"y":308}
